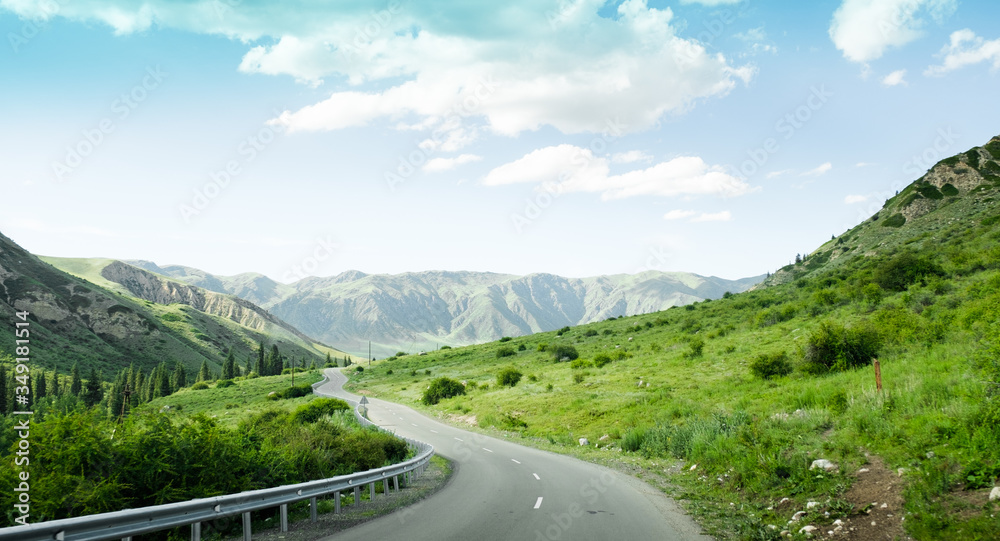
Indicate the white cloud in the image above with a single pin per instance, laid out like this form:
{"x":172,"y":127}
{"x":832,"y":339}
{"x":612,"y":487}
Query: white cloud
{"x":864,"y":164}
{"x":965,"y":49}
{"x":756,"y":38}
{"x":776,"y":174}
{"x":446,"y":164}
{"x":631,"y":156}
{"x":567,"y":168}
{"x":854,"y":199}
{"x":723,"y":216}
{"x":679,"y":214}
{"x":711,"y":2}
{"x":895,"y":78}
{"x":864,"y":29}
{"x":817,"y":171}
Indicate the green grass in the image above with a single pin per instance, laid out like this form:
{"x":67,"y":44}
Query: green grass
{"x":659,"y":399}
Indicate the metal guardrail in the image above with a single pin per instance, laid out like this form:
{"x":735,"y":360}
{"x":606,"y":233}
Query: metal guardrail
{"x":130,"y":522}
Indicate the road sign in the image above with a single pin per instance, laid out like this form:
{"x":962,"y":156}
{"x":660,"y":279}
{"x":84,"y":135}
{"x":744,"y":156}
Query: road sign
{"x":364,"y":400}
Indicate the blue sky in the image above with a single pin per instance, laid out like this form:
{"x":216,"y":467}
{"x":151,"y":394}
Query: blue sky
{"x":571,"y":137}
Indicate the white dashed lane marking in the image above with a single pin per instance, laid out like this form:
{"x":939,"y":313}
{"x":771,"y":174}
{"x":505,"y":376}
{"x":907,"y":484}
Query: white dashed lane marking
{"x":538,"y":503}
{"x":487,"y":450}
{"x":514,"y":461}
{"x":536,"y":476}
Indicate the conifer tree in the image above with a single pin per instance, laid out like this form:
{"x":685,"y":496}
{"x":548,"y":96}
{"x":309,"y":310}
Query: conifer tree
{"x":179,"y":377}
{"x":203,"y":373}
{"x":40,"y":387}
{"x":229,"y":367}
{"x":93,"y":393}
{"x":3,"y":391}
{"x":54,"y":389}
{"x":260,"y":359}
{"x":75,"y":385}
{"x":163,"y":381}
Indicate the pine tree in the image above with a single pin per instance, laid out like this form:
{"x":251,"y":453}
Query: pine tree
{"x":179,"y":377}
{"x":274,"y":363}
{"x":55,"y":383}
{"x":229,"y":367}
{"x":116,"y":400}
{"x":93,"y":393}
{"x":76,"y":385}
{"x":204,"y":374}
{"x":163,"y":381}
{"x":3,"y":391}
{"x":260,"y":359}
{"x":249,"y":365}
{"x":329,"y":361}
{"x":40,"y":387}
{"x":313,"y":365}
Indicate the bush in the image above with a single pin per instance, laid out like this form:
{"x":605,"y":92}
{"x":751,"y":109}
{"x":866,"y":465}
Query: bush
{"x":601,"y":359}
{"x":949,"y":189}
{"x":581,"y":363}
{"x":930,"y":191}
{"x":834,"y":347}
{"x":521,"y":347}
{"x":199,"y":386}
{"x":359,"y":369}
{"x":896,"y":220}
{"x":317,"y":408}
{"x":771,"y":365}
{"x":543,"y":346}
{"x":898,"y":272}
{"x":590,"y":332}
{"x":442,"y":388}
{"x":578,"y":377}
{"x":695,"y":348}
{"x":505,"y":352}
{"x":505,"y":339}
{"x":563,"y":352}
{"x":508,"y":376}
{"x":223,"y":383}
{"x":563,"y":331}
{"x":632,"y":440}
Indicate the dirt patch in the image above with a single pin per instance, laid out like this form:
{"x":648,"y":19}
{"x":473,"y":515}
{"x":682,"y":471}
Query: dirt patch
{"x":469,"y":420}
{"x":876,"y":498}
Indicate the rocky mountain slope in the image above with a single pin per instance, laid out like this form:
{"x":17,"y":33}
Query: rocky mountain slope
{"x":424,"y":310}
{"x":953,"y":190}
{"x":76,"y":319}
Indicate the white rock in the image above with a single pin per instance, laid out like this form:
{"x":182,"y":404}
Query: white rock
{"x":584,"y":441}
{"x":605,"y":437}
{"x":798,"y":516}
{"x":808,"y":530}
{"x":810,"y":505}
{"x":823,"y":464}
{"x":864,"y":470}
{"x":694,"y":467}
{"x":900,"y":471}
{"x":838,"y":522}
{"x":783,"y":500}
{"x":995,"y":494}
{"x":883,"y":506}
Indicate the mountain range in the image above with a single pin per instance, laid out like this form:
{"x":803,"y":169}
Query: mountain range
{"x":425,"y":310}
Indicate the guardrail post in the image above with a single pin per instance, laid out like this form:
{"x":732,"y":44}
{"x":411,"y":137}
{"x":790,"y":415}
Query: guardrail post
{"x":284,"y":517}
{"x":385,"y":486}
{"x":196,"y":531}
{"x":395,"y":483}
{"x":313,"y":510}
{"x":371,"y":491}
{"x":246,"y":527}
{"x":336,"y":502}
{"x":357,"y":496}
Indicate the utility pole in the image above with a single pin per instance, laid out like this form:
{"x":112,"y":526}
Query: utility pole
{"x":369,"y":354}
{"x":293,"y":371}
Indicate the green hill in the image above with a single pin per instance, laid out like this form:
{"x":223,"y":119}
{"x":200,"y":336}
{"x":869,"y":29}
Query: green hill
{"x":82,"y":317}
{"x":727,"y":403}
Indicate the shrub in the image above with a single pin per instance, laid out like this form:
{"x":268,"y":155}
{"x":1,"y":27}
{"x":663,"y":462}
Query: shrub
{"x":581,"y":363}
{"x":359,"y":369}
{"x":834,"y":347}
{"x":317,"y":408}
{"x":223,"y":383}
{"x":695,"y":348}
{"x":949,"y":189}
{"x":607,"y":332}
{"x":578,"y":377}
{"x":445,"y":347}
{"x":427,"y":372}
{"x":930,"y":191}
{"x":199,"y":386}
{"x":508,"y":376}
{"x":388,"y":372}
{"x":896,"y":220}
{"x":601,"y":359}
{"x":442,"y":388}
{"x":590,"y":332}
{"x":505,"y":352}
{"x":825,"y":297}
{"x":543,"y":346}
{"x":506,"y":339}
{"x":563,"y":331}
{"x":562,"y":352}
{"x":632,"y":440}
{"x":903,"y":269}
{"x":521,"y":347}
{"x":771,"y":365}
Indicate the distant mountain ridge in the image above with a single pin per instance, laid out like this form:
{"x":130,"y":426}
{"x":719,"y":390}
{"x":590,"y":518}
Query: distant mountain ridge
{"x":423,"y":310}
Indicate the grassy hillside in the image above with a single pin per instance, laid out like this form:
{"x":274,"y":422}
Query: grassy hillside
{"x":740,"y":395}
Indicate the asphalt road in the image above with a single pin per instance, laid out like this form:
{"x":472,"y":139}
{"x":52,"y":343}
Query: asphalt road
{"x":501,"y":490}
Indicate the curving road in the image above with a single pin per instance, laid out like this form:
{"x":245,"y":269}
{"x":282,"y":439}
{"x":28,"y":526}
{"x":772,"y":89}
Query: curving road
{"x":501,"y":490}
